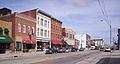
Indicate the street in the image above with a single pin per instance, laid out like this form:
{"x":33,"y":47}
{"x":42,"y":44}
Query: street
{"x":82,"y":57}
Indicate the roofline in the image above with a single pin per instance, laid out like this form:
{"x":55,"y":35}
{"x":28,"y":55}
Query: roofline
{"x":56,"y":20}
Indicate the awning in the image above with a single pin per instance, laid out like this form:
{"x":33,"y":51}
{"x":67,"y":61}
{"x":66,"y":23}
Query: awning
{"x":28,"y":41}
{"x":70,"y":42}
{"x":6,"y":39}
{"x":56,"y":42}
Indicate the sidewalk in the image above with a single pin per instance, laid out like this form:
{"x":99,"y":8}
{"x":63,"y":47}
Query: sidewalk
{"x":19,"y":54}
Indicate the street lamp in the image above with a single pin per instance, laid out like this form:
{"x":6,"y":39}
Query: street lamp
{"x":109,"y":24}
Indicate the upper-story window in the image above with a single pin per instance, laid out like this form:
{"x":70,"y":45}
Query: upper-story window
{"x":38,"y":31}
{"x":45,"y":23}
{"x":29,"y":30}
{"x":33,"y":30}
{"x":48,"y":24}
{"x":19,"y":27}
{"x":38,"y":20}
{"x":24,"y":29}
{"x":45,"y":33}
{"x":48,"y":33}
{"x":41,"y":32}
{"x":41,"y":22}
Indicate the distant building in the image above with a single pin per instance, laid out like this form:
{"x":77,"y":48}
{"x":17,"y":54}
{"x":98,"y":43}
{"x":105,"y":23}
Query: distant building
{"x":5,"y":11}
{"x":68,"y":36}
{"x":84,"y":40}
{"x":119,"y":39}
{"x":76,"y":43}
{"x":56,"y":33}
{"x":99,"y":43}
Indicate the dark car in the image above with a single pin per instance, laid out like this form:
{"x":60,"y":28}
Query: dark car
{"x":74,"y":49}
{"x":60,"y":50}
{"x":49,"y":51}
{"x":81,"y":49}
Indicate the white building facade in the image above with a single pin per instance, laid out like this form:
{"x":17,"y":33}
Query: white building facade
{"x":43,"y":30}
{"x":83,"y":38}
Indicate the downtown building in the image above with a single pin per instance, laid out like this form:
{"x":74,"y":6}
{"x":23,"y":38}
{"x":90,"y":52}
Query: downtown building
{"x":68,"y":37}
{"x":56,"y":33}
{"x":97,"y":43}
{"x":84,"y":41}
{"x":5,"y":36}
{"x":23,"y":31}
{"x":43,"y":28}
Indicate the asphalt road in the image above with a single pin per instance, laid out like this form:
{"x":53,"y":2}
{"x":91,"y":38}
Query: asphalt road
{"x":82,"y":57}
{"x":43,"y":58}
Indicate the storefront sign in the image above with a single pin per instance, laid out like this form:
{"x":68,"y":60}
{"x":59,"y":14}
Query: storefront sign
{"x":2,"y":38}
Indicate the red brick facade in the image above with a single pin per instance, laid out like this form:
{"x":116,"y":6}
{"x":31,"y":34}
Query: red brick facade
{"x":21,"y":19}
{"x":56,"y":29}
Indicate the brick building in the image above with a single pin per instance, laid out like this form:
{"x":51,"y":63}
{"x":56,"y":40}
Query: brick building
{"x":5,"y":36}
{"x":68,"y":35}
{"x":56,"y":33}
{"x":43,"y":27}
{"x":23,"y":31}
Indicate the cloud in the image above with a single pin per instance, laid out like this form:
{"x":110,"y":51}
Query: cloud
{"x":79,"y":3}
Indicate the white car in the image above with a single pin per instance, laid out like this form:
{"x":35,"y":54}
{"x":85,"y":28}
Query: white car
{"x":107,"y":50}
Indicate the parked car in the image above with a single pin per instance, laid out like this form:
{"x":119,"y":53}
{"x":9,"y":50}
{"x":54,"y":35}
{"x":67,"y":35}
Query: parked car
{"x":74,"y":49}
{"x":60,"y":50}
{"x":107,"y":50}
{"x":49,"y":51}
{"x":81,"y":49}
{"x":68,"y":50}
{"x":102,"y":49}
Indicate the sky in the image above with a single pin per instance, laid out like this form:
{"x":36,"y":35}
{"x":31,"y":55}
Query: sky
{"x":83,"y":16}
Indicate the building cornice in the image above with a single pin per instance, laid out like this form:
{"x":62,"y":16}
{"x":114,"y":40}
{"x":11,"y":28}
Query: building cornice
{"x":25,"y":17}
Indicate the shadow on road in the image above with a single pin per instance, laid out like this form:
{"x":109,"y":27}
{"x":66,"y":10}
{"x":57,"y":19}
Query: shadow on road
{"x":109,"y":61}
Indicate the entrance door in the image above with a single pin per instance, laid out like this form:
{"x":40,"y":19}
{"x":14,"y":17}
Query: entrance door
{"x":18,"y":46}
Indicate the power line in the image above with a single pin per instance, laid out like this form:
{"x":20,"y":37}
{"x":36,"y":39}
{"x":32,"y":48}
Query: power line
{"x":105,"y":15}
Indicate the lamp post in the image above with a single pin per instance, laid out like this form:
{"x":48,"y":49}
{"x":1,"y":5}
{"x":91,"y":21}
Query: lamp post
{"x":109,"y":24}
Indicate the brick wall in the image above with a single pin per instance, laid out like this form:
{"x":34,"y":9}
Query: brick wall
{"x":31,"y":13}
{"x":56,"y":29}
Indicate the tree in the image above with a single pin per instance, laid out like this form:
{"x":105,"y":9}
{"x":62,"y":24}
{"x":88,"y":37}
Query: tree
{"x":6,"y":31}
{"x":1,"y":31}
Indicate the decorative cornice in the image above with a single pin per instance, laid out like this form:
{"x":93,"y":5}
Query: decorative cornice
{"x":25,"y":17}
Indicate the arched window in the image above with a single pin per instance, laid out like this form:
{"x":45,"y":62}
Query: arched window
{"x":19,"y":27}
{"x":24,"y":29}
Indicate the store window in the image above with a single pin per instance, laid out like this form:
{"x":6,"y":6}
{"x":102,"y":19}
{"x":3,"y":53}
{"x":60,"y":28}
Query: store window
{"x":24,"y":29}
{"x":19,"y":27}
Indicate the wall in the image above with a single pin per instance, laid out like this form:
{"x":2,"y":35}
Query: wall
{"x":5,"y":24}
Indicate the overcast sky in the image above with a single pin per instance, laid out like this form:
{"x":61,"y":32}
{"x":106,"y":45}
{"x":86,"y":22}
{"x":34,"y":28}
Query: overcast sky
{"x":83,"y":16}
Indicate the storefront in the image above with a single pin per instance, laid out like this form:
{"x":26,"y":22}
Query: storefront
{"x":43,"y":44}
{"x":5,"y":44}
{"x":56,"y":43}
{"x":70,"y":43}
{"x":28,"y":45}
